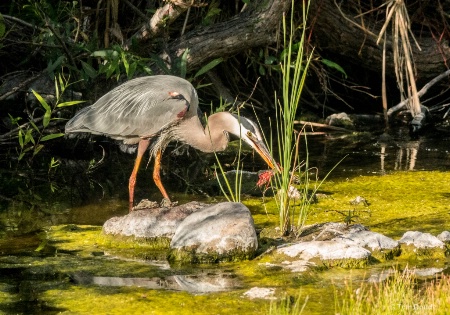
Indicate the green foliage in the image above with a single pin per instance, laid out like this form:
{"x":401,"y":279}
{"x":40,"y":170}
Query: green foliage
{"x":115,"y":61}
{"x":30,"y":135}
{"x":334,"y":65}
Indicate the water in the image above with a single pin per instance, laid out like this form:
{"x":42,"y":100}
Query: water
{"x":43,"y":273}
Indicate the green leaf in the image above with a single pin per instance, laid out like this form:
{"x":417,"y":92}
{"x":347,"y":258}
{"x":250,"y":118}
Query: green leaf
{"x":20,"y":136}
{"x":2,"y":26}
{"x":208,"y":67}
{"x":41,"y":100}
{"x":51,"y":136}
{"x":89,"y":70}
{"x":34,"y":126}
{"x":47,"y":117}
{"x":38,"y":148}
{"x":334,"y":65}
{"x":52,"y":66}
{"x":69,"y":103}
{"x":29,"y":137}
{"x":183,"y":63}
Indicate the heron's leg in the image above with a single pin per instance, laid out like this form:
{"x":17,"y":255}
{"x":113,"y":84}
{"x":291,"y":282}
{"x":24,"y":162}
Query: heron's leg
{"x":142,"y":147}
{"x":157,"y":176}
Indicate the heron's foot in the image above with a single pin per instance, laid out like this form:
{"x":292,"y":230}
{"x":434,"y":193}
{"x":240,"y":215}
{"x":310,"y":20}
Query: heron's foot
{"x":166,"y":203}
{"x":145,"y":204}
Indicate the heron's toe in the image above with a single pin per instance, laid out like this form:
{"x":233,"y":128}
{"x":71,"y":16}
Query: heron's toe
{"x":166,"y":203}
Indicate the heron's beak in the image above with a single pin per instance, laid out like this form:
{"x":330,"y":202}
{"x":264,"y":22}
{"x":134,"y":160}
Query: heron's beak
{"x":262,"y":150}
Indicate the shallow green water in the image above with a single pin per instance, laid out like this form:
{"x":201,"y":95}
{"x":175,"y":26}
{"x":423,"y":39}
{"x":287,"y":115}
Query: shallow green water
{"x":65,"y":265}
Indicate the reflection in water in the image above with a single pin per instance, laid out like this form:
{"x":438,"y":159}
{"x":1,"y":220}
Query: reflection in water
{"x":202,"y":283}
{"x":405,"y":157}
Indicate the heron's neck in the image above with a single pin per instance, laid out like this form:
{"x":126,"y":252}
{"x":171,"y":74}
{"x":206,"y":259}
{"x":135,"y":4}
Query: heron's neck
{"x":205,"y":139}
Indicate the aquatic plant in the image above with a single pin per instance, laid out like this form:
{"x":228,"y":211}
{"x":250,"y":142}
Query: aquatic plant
{"x":294,"y":66}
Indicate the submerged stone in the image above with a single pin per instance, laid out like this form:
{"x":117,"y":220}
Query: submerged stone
{"x":260,"y":293}
{"x":151,"y":223}
{"x":221,"y":232}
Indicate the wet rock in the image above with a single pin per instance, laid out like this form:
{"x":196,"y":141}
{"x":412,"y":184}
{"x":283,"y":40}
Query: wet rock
{"x":221,"y":232}
{"x":340,"y":120}
{"x":151,"y":223}
{"x":328,"y":231}
{"x":418,"y":245}
{"x":382,"y":247}
{"x":260,"y":293}
{"x":444,"y":237}
{"x":421,"y":240}
{"x":329,"y":253}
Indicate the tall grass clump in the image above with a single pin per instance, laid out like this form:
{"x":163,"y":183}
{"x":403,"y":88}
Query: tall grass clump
{"x":400,"y":294}
{"x":294,"y":66}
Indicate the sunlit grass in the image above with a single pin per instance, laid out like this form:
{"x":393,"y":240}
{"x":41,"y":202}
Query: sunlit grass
{"x":399,"y":294}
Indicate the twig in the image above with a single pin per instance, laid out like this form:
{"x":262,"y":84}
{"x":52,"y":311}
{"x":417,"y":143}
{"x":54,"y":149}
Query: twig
{"x":302,"y":122}
{"x":422,"y":91}
{"x":17,"y":20}
{"x":20,"y":86}
{"x":135,"y":9}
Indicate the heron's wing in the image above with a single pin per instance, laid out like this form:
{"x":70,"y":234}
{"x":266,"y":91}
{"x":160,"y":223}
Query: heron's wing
{"x":139,"y":108}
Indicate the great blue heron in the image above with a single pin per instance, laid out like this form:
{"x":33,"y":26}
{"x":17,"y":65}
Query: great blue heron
{"x":156,"y":110}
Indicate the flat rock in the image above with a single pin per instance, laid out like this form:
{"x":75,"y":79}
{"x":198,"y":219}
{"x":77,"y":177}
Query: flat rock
{"x":368,"y":239}
{"x":421,"y":240}
{"x":260,"y":293}
{"x":325,"y":250}
{"x":221,"y":232}
{"x":151,"y":222}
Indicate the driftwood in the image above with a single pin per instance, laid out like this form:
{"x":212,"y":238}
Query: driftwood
{"x":422,"y":91}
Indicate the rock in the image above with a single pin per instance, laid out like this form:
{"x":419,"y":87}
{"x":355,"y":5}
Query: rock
{"x":151,"y":223}
{"x":260,"y":293}
{"x":382,"y":247}
{"x":330,"y":253}
{"x":328,"y":231}
{"x":340,"y":120}
{"x":418,"y":245}
{"x":221,"y":232}
{"x":421,"y":240}
{"x":444,"y":237}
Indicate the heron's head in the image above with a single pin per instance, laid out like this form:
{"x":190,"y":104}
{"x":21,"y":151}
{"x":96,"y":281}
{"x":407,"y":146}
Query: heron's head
{"x":235,"y":126}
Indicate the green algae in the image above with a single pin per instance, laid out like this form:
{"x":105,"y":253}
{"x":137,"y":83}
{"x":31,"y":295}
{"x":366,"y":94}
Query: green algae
{"x":398,"y":202}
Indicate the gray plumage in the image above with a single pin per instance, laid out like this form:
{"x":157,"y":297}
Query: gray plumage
{"x":158,"y":109}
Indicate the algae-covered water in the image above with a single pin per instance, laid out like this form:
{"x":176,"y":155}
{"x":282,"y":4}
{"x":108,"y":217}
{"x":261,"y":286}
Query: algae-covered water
{"x":66,"y":266}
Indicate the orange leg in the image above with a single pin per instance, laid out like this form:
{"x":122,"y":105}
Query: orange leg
{"x":157,"y":176}
{"x":142,"y":147}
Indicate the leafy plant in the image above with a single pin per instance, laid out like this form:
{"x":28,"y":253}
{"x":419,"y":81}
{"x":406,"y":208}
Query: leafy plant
{"x":32,"y":135}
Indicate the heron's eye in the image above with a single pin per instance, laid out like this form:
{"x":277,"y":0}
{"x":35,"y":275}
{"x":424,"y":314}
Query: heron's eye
{"x":249,"y":134}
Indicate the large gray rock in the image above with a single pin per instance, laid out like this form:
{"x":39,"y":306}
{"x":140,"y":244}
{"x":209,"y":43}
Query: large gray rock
{"x":221,"y":232}
{"x":151,"y":223}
